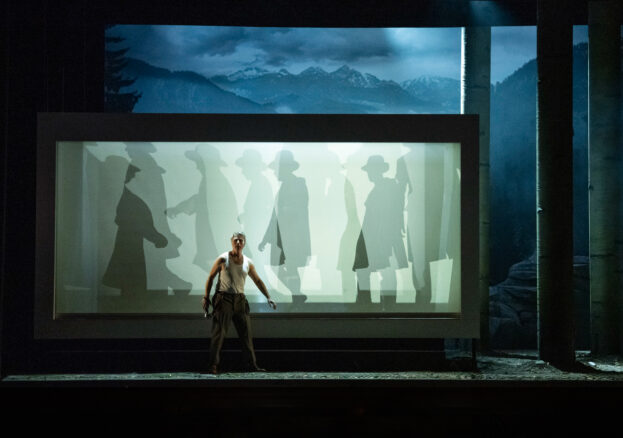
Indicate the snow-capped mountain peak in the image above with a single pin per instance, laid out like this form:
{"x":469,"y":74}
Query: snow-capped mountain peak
{"x":427,"y":81}
{"x":247,"y":73}
{"x":355,"y":78}
{"x":313,"y":71}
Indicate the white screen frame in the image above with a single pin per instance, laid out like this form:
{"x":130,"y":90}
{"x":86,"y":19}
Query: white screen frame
{"x":53,"y":128}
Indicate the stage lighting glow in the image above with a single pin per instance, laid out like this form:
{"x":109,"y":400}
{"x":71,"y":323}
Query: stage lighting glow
{"x":353,"y":227}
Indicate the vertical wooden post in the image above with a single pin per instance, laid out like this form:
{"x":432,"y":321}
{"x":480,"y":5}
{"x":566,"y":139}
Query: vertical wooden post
{"x":604,"y":136}
{"x":555,"y":183}
{"x":476,"y":99}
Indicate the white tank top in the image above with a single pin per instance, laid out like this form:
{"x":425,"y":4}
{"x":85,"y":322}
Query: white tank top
{"x":232,"y":278}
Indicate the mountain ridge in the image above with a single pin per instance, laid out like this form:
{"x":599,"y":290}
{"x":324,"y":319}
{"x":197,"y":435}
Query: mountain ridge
{"x":184,"y":92}
{"x":316,"y":90}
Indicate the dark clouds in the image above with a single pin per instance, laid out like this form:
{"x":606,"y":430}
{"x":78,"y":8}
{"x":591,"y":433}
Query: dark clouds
{"x":211,"y":40}
{"x":520,"y":40}
{"x":148,"y":43}
{"x":343,"y":45}
{"x":277,"y":46}
{"x":395,"y":53}
{"x":513,"y":46}
{"x":273,"y":46}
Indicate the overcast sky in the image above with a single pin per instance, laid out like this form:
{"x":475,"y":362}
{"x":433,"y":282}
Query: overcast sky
{"x":396,"y":53}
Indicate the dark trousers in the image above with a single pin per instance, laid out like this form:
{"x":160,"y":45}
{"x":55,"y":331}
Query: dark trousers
{"x":230,"y":307}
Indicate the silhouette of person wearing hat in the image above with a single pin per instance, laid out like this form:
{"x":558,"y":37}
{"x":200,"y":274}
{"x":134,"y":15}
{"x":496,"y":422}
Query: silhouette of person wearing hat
{"x":214,"y":204}
{"x":127,"y":269}
{"x":288,"y":229}
{"x":257,"y":209}
{"x":381,"y":235}
{"x":149,"y":186}
{"x":140,"y":215}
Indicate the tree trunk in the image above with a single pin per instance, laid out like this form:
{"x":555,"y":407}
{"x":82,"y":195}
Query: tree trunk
{"x":476,"y":99}
{"x":555,"y":184}
{"x":604,"y":95}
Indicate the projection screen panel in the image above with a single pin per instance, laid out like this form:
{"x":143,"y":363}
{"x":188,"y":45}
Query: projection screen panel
{"x":339,"y":226}
{"x":330,"y":227}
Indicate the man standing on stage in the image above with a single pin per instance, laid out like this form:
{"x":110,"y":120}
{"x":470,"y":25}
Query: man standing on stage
{"x":229,"y":302}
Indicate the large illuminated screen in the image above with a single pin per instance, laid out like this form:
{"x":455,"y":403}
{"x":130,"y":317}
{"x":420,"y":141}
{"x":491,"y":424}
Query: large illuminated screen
{"x":332,"y":227}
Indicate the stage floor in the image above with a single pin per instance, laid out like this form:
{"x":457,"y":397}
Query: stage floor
{"x":516,"y":366}
{"x":504,"y":396}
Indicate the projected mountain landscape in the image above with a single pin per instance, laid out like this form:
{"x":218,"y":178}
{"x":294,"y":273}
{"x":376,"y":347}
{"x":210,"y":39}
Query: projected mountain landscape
{"x":184,"y":92}
{"x":313,"y":90}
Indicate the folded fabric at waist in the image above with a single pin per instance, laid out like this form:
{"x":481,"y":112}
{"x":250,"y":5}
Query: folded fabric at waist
{"x":228,"y":293}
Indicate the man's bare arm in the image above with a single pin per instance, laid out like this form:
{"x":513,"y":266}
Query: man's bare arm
{"x":213,"y":273}
{"x":260,"y":285}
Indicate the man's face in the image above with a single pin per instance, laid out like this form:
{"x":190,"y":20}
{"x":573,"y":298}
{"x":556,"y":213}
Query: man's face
{"x":237,"y":243}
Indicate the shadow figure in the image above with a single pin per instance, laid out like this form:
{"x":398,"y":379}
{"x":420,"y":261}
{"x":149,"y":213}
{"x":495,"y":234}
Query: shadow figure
{"x":381,"y":236}
{"x":257,"y":208}
{"x":350,"y":232}
{"x":288,"y":230}
{"x":197,"y":205}
{"x":148,"y":184}
{"x":326,"y":194}
{"x":106,"y":183}
{"x":127,"y":266}
{"x":420,"y":173}
{"x":214,"y":205}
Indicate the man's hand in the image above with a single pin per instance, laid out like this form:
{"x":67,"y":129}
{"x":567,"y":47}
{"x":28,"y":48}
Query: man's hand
{"x":261,"y":246}
{"x":205,"y":303}
{"x":272,"y":304}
